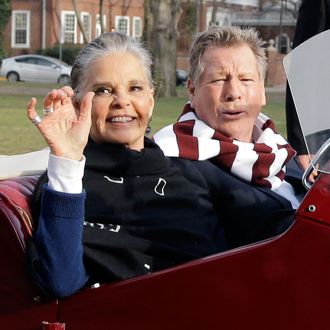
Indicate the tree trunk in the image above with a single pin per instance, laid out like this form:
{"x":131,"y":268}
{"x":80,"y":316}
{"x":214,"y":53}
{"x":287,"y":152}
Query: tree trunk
{"x":101,"y":16}
{"x":214,"y":12}
{"x":125,"y":7}
{"x":148,"y":26}
{"x":5,"y":12}
{"x":164,"y":13}
{"x":198,"y":15}
{"x":79,"y":21}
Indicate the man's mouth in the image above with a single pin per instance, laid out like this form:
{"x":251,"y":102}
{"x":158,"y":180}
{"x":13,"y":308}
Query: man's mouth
{"x":233,"y":113}
{"x":121,"y":119}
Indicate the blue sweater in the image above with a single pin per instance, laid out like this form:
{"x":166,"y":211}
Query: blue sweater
{"x":58,"y":240}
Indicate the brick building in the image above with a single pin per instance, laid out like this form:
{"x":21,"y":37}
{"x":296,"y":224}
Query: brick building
{"x":39,"y":24}
{"x":275,"y":20}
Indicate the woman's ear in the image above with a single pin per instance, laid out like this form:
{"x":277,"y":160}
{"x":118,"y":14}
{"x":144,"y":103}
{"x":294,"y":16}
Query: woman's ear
{"x":152,"y":102}
{"x":76,"y":102}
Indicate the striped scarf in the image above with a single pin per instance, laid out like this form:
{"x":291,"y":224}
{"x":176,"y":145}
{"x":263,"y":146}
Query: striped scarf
{"x":261,"y":163}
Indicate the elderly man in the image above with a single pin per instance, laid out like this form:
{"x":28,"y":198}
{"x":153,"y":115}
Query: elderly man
{"x":223,"y":142}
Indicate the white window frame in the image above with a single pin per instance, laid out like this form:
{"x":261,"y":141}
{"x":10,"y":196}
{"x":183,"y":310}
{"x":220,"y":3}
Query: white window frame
{"x":134,"y":33}
{"x":98,"y":24}
{"x":117,"y":19}
{"x":13,"y":29}
{"x":253,"y":3}
{"x":89,"y":32}
{"x":63,"y":14}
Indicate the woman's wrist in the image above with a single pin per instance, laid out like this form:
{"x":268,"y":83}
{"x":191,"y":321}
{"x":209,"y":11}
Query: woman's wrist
{"x":65,"y":175}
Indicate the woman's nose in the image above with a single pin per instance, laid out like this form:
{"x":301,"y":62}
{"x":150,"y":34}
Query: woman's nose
{"x":120,"y":100}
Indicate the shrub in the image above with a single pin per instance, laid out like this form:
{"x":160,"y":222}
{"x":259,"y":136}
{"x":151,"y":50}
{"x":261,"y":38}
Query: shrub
{"x":69,"y":52}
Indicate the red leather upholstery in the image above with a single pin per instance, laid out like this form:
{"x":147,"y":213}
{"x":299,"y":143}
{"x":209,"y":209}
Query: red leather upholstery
{"x":16,"y":288}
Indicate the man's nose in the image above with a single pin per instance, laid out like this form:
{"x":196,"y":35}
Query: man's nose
{"x":232,"y":91}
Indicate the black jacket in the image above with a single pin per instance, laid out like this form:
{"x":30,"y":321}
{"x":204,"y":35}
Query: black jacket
{"x":141,"y":215}
{"x":248,"y":213}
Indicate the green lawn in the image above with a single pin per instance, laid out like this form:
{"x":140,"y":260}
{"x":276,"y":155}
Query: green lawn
{"x":18,"y":135}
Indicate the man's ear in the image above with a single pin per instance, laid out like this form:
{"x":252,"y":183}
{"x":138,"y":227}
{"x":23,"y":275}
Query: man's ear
{"x":191,"y":91}
{"x":263,"y":94}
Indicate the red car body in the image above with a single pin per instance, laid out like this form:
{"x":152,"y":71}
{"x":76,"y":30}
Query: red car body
{"x":280,"y":283}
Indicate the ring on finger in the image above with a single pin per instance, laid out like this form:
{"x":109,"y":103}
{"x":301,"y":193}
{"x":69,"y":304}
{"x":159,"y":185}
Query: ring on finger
{"x":46,"y":111}
{"x":36,"y":120}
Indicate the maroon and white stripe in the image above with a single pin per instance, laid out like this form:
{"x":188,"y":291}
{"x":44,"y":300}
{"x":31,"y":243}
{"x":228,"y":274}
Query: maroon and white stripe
{"x":262,"y":162}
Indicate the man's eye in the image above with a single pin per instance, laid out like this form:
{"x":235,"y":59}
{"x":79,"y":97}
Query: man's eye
{"x":247,"y":80}
{"x":103,"y":91}
{"x":218,"y":80}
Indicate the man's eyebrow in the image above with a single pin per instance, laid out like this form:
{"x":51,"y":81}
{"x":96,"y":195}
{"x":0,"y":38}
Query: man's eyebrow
{"x":220,"y":70}
{"x":220,"y":73}
{"x":247,"y":73}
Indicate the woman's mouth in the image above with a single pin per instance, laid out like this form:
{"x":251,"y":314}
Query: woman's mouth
{"x":120,"y":119}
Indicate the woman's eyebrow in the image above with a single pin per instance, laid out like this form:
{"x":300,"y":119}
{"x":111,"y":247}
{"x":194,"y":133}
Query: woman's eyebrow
{"x":137,"y":82}
{"x":101,"y":83}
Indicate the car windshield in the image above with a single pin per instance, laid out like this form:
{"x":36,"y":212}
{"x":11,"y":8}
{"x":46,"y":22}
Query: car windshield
{"x":310,"y":91}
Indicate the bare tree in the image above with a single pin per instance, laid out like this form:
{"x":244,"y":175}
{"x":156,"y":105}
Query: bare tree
{"x":198,"y":18}
{"x":148,"y":26}
{"x":163,"y":39}
{"x":81,"y":27}
{"x":214,"y":12}
{"x":125,"y":6}
{"x":291,"y":6}
{"x":101,"y":15}
{"x":5,"y":12}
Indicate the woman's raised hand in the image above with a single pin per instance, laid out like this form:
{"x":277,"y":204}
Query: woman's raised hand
{"x":64,"y":127}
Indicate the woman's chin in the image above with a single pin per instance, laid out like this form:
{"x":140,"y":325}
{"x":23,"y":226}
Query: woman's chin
{"x":127,"y":141}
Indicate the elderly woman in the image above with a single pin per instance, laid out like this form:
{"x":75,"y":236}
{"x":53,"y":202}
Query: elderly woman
{"x":113,"y":206}
{"x":223,"y":139}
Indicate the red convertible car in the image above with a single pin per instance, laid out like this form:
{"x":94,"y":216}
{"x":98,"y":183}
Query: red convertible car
{"x":280,"y":283}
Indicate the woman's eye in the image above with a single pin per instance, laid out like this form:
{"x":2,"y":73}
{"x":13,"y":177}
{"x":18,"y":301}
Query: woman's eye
{"x":136,"y":88}
{"x":103,"y":91}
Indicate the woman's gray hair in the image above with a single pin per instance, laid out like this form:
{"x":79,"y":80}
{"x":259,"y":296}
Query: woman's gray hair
{"x":106,"y":44}
{"x":226,"y":36}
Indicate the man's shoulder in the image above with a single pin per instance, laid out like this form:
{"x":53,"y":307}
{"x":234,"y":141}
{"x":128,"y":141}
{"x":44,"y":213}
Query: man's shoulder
{"x":294,"y":175}
{"x":204,"y":172}
{"x":191,"y":166}
{"x":293,"y":169}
